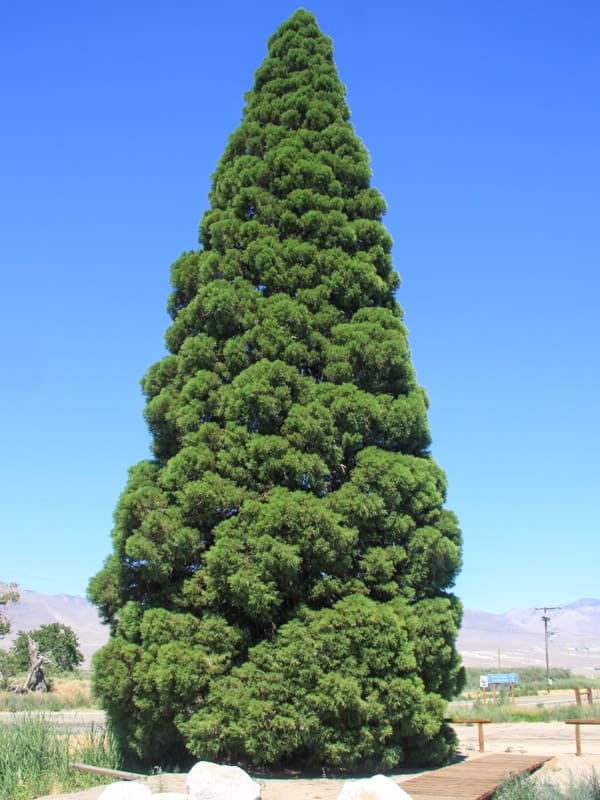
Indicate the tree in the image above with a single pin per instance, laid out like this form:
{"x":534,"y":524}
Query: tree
{"x":56,"y":641}
{"x":8,"y":668}
{"x":279,"y":586}
{"x":9,"y":593}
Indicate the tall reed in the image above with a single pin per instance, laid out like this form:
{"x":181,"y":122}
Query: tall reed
{"x":35,"y":755}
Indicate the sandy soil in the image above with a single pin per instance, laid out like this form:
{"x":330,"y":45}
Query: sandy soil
{"x":537,"y":738}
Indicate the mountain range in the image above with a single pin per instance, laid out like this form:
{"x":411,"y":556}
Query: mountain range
{"x":497,"y":642}
{"x":490,"y":642}
{"x":34,"y":609}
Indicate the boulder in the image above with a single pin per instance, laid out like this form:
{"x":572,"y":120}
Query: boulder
{"x":126,"y":790}
{"x":376,"y":788}
{"x":207,"y":781}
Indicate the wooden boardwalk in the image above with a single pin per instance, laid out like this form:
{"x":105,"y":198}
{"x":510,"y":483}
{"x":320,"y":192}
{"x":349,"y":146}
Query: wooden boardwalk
{"x":474,"y":779}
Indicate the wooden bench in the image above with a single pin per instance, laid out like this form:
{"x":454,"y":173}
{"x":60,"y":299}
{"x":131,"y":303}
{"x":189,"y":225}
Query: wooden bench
{"x":471,"y":721}
{"x":578,"y":723}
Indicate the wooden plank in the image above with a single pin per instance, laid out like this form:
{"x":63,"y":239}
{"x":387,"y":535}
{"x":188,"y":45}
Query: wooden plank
{"x":473,"y":779}
{"x":117,"y":774}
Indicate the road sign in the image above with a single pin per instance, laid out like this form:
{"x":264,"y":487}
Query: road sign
{"x":503,"y":677}
{"x":483,"y":682}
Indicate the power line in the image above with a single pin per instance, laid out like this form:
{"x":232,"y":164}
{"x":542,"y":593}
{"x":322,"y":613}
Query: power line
{"x":546,"y":619}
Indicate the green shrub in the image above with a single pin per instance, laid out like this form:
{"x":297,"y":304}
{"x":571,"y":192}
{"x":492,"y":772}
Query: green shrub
{"x":8,"y":668}
{"x":339,"y":687}
{"x":529,"y":787}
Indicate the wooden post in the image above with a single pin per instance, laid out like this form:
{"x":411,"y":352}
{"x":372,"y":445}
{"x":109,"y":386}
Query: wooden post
{"x":588,"y":694}
{"x":472,"y":721}
{"x":481,"y":741}
{"x":512,"y":689}
{"x":578,"y":723}
{"x":577,"y":739}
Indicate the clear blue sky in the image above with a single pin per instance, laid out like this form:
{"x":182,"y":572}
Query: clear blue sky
{"x":483,"y":124}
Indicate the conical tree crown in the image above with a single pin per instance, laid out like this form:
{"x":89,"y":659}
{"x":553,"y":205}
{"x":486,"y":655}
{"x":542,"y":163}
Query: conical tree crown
{"x":291,"y":493}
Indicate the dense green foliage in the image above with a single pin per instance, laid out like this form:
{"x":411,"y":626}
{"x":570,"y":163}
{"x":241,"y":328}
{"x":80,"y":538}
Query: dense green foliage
{"x":56,"y":641}
{"x":279,"y":586}
{"x":8,"y":667}
{"x":9,"y":593}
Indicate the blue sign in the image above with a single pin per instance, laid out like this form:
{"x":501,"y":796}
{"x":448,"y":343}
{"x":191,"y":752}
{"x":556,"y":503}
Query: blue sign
{"x":503,"y":677}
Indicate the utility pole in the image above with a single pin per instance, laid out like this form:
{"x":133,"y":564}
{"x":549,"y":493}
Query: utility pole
{"x":546,"y":620}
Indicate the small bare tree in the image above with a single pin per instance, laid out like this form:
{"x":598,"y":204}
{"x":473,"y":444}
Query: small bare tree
{"x":35,"y":680}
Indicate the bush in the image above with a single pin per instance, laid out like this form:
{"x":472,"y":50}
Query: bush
{"x":529,"y":787}
{"x":8,"y":668}
{"x":339,"y":687}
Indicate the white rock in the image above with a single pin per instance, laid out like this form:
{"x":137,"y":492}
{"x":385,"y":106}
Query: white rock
{"x":376,"y":788}
{"x":126,"y":790}
{"x":207,"y":781}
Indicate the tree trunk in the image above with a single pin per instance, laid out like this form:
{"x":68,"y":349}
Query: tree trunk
{"x":35,"y":680}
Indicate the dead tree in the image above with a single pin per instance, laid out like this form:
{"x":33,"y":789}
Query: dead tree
{"x":35,"y":680}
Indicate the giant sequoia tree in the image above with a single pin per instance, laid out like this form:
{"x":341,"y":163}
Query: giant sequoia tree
{"x":278,"y":590}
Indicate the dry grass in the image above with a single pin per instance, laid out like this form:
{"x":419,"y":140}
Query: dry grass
{"x":68,"y":693}
{"x":74,"y":692}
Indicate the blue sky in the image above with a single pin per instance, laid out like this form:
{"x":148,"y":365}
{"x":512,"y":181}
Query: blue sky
{"x":483,"y":124}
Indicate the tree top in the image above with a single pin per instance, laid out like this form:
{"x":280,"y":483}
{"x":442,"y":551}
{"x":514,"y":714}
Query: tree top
{"x":299,"y":66}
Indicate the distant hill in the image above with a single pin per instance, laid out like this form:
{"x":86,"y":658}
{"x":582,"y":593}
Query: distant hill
{"x":516,"y":638}
{"x":34,"y":609}
{"x":492,"y":642}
